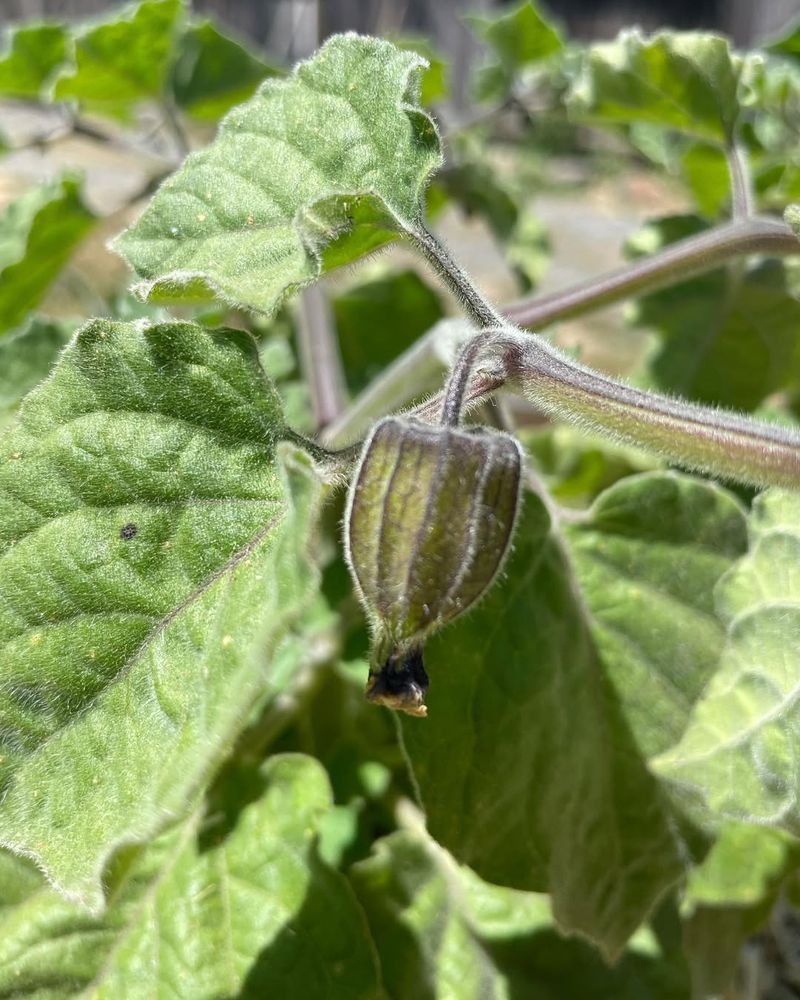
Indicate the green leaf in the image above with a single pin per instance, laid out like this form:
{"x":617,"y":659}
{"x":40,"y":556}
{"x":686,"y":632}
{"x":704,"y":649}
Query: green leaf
{"x":728,"y":898}
{"x":152,"y":551}
{"x":726,"y":337}
{"x":738,"y":756}
{"x":531,"y":720}
{"x":251,"y":914}
{"x":212,"y":72}
{"x":706,"y":171}
{"x":33,"y":53}
{"x":441,"y":932}
{"x":520,"y":38}
{"x":339,"y":147}
{"x":26,"y":356}
{"x":435,"y":79}
{"x":687,"y":81}
{"x":647,"y":560}
{"x":38,"y":233}
{"x":378,"y":320}
{"x":124,"y":59}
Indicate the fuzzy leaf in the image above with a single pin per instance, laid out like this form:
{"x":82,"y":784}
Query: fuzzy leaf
{"x":532,"y":762}
{"x":338,"y":149}
{"x":213,"y":72}
{"x":442,"y":932}
{"x":38,"y":233}
{"x":32,"y":55}
{"x":123,"y":59}
{"x":151,"y":554}
{"x":739,"y":755}
{"x":248,"y":914}
{"x":726,"y":338}
{"x":687,"y":81}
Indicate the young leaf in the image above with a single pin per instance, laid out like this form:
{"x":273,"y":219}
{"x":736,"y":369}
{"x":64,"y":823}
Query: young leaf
{"x":26,"y":356}
{"x":435,"y":79}
{"x":213,"y":72}
{"x":442,"y":932}
{"x":38,"y":233}
{"x":123,"y":59}
{"x":687,"y":81}
{"x":151,"y":554}
{"x":251,"y":914}
{"x":519,"y":38}
{"x":527,"y":719}
{"x":726,"y":337}
{"x":32,"y":55}
{"x":738,"y":756}
{"x":339,"y":146}
{"x":792,"y":217}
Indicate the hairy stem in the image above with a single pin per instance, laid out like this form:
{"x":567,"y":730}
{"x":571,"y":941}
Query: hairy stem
{"x":458,"y":281}
{"x":722,"y":443}
{"x":456,"y":392}
{"x":742,"y":204}
{"x":675,"y":263}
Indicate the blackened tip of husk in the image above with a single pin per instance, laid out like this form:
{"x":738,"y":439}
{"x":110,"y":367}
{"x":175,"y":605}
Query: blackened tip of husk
{"x":401,"y":683}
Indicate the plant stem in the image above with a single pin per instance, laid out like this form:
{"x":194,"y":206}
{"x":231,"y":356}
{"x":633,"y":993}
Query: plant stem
{"x":742,"y":203}
{"x":319,"y":356}
{"x":715,"y":441}
{"x":458,"y":281}
{"x":455,"y":393}
{"x":675,"y":263}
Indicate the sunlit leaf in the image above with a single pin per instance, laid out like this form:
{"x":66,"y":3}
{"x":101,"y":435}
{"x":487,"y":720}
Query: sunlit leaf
{"x":38,"y":234}
{"x":32,"y":54}
{"x":122,"y":59}
{"x":739,"y":755}
{"x":687,"y":81}
{"x":249,"y":912}
{"x":340,"y":147}
{"x":152,"y":550}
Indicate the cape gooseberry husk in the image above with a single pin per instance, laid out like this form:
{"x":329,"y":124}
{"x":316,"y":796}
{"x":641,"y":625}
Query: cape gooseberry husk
{"x":429,"y":522}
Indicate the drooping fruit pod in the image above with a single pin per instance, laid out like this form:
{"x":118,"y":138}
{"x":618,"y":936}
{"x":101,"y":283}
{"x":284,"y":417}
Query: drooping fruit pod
{"x":429,"y":522}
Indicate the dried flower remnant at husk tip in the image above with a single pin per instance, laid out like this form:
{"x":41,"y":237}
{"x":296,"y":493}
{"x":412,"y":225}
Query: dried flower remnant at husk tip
{"x":429,"y":522}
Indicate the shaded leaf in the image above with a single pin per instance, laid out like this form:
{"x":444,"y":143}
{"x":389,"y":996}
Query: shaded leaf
{"x":254,"y":913}
{"x":441,"y":932}
{"x":212,"y":72}
{"x":122,"y":59}
{"x":726,"y":337}
{"x":647,"y":560}
{"x":32,"y":54}
{"x":26,"y":356}
{"x":738,"y":757}
{"x":687,"y":81}
{"x":38,"y":233}
{"x":529,"y":722}
{"x":340,"y":147}
{"x":378,"y":320}
{"x":151,"y":554}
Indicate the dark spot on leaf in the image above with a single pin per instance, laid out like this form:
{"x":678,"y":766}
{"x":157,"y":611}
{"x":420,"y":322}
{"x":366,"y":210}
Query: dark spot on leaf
{"x":127,"y":531}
